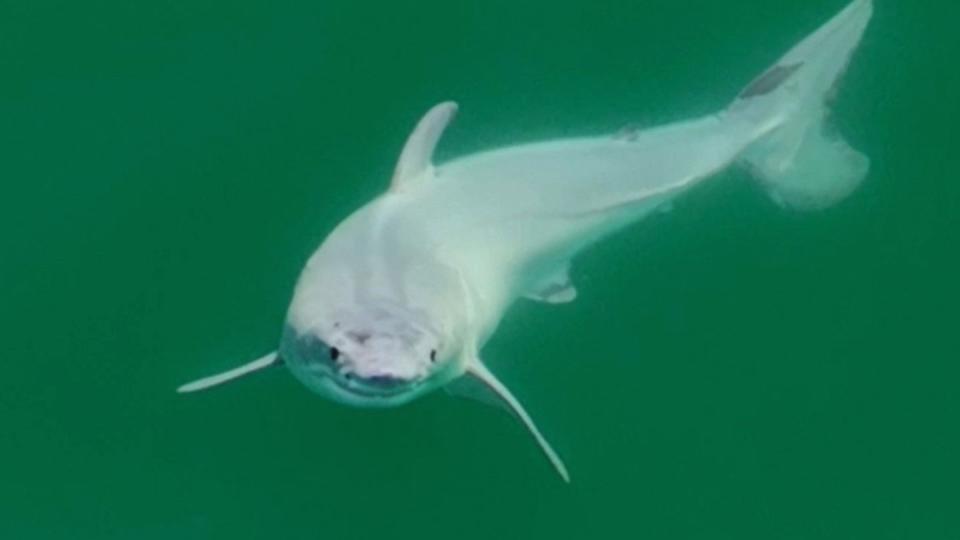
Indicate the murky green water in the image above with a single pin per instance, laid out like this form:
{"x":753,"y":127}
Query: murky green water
{"x":730,"y":370}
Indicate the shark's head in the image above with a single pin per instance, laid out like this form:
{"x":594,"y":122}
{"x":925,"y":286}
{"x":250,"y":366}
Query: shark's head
{"x":374,"y":357}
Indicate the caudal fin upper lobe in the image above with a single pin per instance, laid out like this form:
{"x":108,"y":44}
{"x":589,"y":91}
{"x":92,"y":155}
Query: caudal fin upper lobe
{"x":801,"y":160}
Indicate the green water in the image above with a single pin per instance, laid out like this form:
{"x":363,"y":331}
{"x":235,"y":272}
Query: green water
{"x":730,"y":370}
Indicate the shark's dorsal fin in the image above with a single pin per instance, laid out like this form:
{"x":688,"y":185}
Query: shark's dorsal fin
{"x":270,"y":360}
{"x":483,"y":378}
{"x":417,"y":155}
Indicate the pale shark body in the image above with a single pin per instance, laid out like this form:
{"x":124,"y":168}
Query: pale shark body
{"x":401,"y":297}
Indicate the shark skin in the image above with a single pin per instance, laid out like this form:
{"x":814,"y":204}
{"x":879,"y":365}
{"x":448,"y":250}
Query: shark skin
{"x":400,"y":298}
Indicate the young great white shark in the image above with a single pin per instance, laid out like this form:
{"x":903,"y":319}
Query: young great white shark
{"x":402,"y":295}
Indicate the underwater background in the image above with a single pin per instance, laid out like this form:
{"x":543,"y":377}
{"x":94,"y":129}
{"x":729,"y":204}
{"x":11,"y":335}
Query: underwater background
{"x":730,"y":369}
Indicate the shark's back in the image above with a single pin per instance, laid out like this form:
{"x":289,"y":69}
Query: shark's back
{"x":516,"y":216}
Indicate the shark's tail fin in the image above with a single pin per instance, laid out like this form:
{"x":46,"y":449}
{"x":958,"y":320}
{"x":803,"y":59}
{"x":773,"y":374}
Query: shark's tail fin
{"x":801,"y":161}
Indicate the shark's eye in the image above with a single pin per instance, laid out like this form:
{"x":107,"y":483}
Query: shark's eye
{"x":334,"y":353}
{"x":433,"y":355}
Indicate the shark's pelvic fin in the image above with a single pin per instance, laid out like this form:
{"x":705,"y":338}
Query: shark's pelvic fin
{"x":416,"y":159}
{"x":270,"y":360}
{"x":557,"y":288}
{"x":496,"y":389}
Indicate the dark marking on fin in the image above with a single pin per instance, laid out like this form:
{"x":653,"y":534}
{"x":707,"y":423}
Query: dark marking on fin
{"x":770,"y":81}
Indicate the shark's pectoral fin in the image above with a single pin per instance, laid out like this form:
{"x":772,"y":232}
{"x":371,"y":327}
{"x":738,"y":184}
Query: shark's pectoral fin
{"x":556,"y":289}
{"x":473,"y":388}
{"x":480,"y":384}
{"x":270,"y":360}
{"x":416,"y":159}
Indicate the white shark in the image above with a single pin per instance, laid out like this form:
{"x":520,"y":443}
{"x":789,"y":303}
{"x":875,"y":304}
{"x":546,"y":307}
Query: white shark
{"x":401,"y":297}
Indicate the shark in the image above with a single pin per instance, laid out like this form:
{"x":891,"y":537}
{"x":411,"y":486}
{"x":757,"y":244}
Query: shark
{"x":402,"y":295}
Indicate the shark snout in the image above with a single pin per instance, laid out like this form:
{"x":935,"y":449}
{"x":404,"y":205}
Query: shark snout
{"x":380,"y":371}
{"x":385,"y":373}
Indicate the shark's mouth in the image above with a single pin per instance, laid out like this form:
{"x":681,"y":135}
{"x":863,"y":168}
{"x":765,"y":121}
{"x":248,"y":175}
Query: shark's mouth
{"x":373,"y":387}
